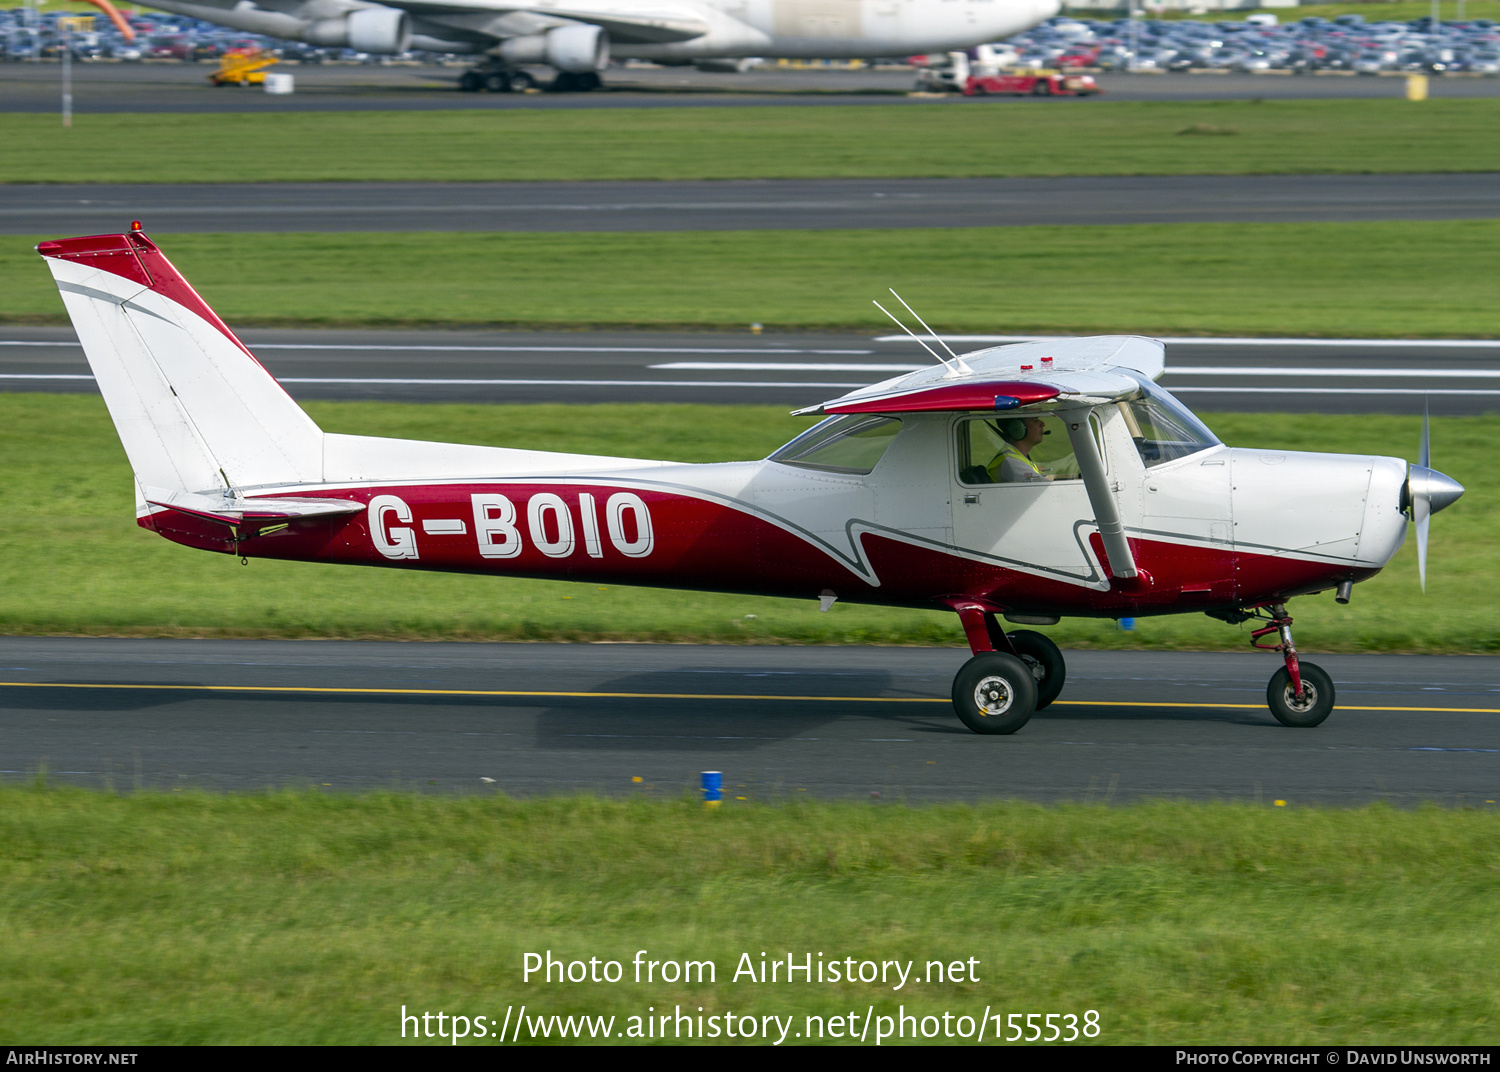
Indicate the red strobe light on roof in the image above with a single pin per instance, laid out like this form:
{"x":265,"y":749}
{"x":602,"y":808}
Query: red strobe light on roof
{"x":135,"y":225}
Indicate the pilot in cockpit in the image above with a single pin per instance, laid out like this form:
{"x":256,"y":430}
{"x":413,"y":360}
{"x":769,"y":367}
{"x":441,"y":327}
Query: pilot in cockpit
{"x":1013,"y":464}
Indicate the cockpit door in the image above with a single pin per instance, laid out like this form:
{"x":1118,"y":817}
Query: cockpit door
{"x":1040,"y":524}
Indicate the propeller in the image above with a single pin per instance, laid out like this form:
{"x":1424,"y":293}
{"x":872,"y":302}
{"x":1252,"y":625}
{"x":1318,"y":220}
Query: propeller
{"x":1426,"y":492}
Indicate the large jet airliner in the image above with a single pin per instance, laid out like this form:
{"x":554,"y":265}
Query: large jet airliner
{"x":577,"y":37}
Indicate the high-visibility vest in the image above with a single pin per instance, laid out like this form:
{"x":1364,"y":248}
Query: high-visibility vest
{"x":1010,"y":451}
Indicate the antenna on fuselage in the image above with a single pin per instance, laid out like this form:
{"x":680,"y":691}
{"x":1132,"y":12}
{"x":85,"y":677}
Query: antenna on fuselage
{"x":952,"y":371}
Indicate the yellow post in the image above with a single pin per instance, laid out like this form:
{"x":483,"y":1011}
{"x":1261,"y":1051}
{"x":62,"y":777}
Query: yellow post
{"x":1416,"y":87}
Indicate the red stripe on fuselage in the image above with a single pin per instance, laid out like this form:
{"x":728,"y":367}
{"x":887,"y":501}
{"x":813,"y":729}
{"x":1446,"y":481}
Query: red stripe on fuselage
{"x":704,"y":545}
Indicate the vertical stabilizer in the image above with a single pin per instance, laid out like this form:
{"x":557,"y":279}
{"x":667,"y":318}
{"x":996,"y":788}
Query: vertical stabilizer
{"x":193,"y":407}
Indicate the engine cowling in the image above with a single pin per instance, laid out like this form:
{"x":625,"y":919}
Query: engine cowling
{"x":576,"y":49}
{"x":381,"y":30}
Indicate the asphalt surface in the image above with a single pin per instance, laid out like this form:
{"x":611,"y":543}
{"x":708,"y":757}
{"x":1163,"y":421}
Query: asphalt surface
{"x":742,"y":204}
{"x":832,"y":722}
{"x":1289,"y":376}
{"x":103,"y":88}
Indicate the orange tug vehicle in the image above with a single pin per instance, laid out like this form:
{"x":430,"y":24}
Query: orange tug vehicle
{"x":1032,"y":81}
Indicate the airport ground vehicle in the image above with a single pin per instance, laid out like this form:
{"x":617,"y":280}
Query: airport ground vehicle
{"x":1033,"y":82}
{"x":934,"y":489}
{"x":242,"y":67}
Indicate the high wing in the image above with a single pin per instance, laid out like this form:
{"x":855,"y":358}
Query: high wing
{"x":1088,"y":372}
{"x":1058,"y":373}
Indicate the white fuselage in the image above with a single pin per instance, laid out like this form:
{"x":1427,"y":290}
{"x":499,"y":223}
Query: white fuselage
{"x":826,"y":29}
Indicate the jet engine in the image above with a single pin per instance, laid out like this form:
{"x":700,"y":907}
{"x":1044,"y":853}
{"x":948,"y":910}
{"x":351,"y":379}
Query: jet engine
{"x":575,"y":49}
{"x":381,"y":30}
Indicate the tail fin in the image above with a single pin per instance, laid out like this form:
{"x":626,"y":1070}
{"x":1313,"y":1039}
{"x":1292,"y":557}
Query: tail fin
{"x":196,"y":412}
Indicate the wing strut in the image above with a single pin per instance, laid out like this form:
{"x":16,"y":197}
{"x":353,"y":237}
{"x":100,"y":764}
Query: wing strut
{"x":1106,"y":514}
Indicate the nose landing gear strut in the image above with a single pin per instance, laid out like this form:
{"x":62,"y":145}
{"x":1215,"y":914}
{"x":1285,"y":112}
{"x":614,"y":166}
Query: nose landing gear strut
{"x":1300,"y":694}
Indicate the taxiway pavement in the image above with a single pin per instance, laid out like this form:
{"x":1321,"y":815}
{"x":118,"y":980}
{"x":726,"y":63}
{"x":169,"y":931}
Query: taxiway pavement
{"x":103,"y":88}
{"x":863,"y":723}
{"x":1249,"y":375}
{"x":736,"y":205}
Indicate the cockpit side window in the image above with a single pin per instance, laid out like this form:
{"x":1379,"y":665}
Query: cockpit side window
{"x":853,"y":443}
{"x":988,"y":451}
{"x":1162,"y":428}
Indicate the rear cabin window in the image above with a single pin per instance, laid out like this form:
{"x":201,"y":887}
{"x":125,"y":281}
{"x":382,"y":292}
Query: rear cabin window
{"x":853,"y":443}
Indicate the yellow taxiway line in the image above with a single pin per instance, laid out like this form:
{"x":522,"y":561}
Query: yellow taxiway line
{"x":541,"y":694}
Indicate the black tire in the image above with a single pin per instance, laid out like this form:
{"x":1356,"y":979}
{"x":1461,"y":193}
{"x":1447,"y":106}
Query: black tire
{"x":1046,"y":662}
{"x":1313,"y":708}
{"x":520,"y":82}
{"x":497,"y":82}
{"x":994,"y":693}
{"x":1042,"y":88}
{"x":470,"y":82}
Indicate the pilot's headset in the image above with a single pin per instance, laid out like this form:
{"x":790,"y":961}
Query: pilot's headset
{"x":1011,"y":428}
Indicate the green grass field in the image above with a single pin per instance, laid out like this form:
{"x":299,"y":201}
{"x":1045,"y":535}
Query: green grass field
{"x":74,"y":562}
{"x":1006,"y":137}
{"x":1420,"y":279}
{"x":161,"y":918}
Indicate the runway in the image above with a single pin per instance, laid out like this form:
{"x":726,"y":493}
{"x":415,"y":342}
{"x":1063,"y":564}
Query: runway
{"x":856,"y":723}
{"x":106,"y":88}
{"x":743,"y":205}
{"x":1454,"y":377}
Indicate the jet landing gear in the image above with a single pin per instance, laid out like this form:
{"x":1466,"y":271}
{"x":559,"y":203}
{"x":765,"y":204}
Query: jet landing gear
{"x":500,"y":78}
{"x":496,"y":78}
{"x":1010,"y":677}
{"x":1300,"y":694}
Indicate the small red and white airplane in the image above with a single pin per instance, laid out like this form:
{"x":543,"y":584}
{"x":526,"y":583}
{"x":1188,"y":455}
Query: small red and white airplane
{"x":939,"y":488}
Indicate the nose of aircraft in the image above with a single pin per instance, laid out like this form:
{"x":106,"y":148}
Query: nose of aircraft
{"x":1441,"y":490}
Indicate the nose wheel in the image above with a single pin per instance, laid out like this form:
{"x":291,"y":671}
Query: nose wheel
{"x":1300,"y":693}
{"x":1311,"y":707}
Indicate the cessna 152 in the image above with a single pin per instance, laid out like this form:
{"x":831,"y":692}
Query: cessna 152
{"x":577,"y":37}
{"x":905,"y":495}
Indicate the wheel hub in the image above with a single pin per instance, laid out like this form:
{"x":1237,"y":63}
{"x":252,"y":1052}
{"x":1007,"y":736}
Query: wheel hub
{"x":1306,"y":702}
{"x":993,"y":695}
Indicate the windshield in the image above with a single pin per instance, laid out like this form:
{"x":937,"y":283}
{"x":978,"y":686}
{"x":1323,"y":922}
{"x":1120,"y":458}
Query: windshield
{"x":1163,"y":428}
{"x":853,"y":443}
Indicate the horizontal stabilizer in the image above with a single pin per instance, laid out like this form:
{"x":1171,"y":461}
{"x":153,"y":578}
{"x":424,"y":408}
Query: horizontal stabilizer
{"x":238,"y":510}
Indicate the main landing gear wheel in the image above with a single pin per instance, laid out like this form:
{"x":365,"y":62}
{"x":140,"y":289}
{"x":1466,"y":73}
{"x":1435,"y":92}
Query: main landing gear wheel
{"x":570,"y":82}
{"x":1046,"y":662}
{"x":520,"y":82}
{"x":1315,"y":703}
{"x":470,"y":82}
{"x":994,"y":693}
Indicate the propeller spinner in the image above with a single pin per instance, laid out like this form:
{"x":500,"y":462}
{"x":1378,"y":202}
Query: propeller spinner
{"x":1425,"y":493}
